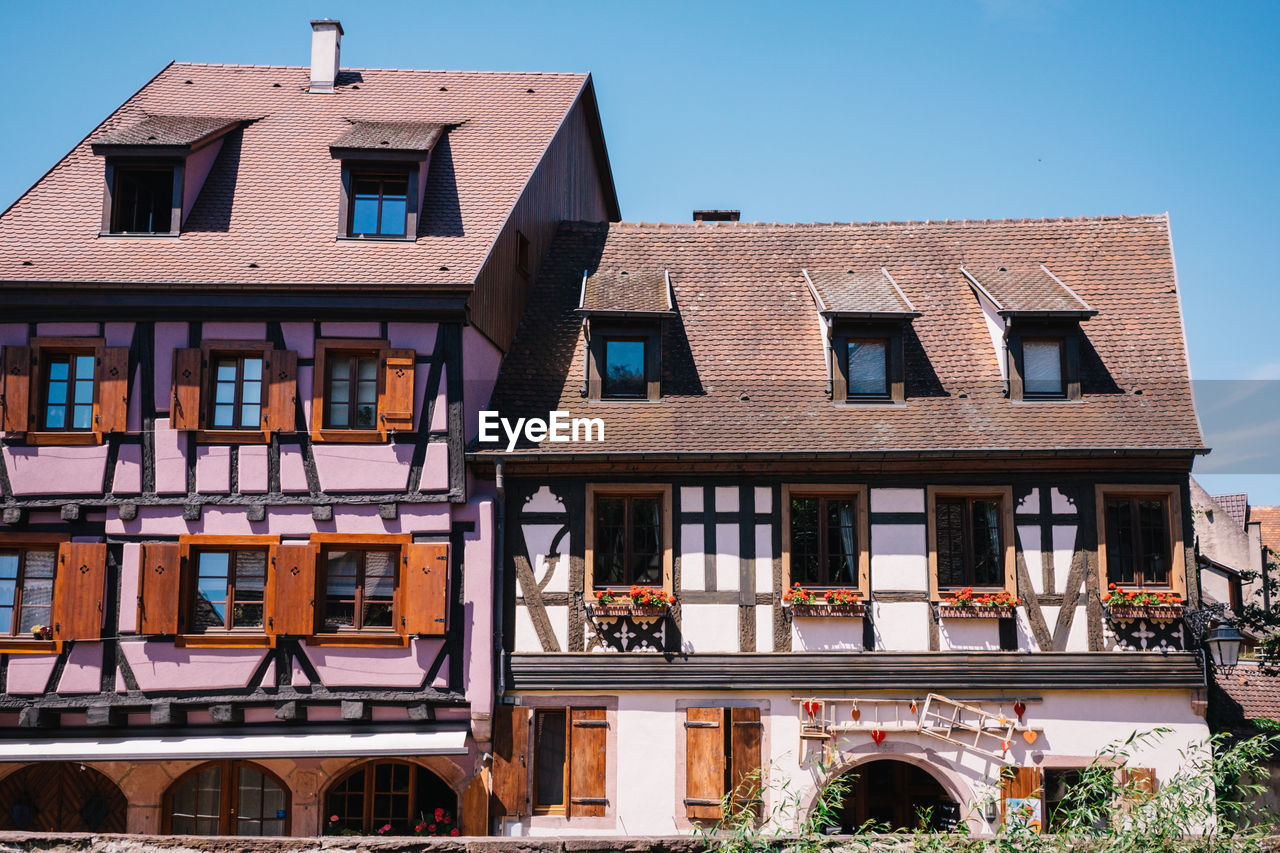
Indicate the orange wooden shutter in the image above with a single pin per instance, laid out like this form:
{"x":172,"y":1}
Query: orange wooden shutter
{"x":159,"y":598}
{"x":113,"y":390}
{"x":424,"y":584}
{"x":745,"y":738}
{"x":17,"y":388}
{"x":397,"y":397}
{"x":184,"y":408}
{"x":293,"y":589}
{"x":1022,"y":784}
{"x":79,"y":587}
{"x":279,"y":415}
{"x":1137,"y":783}
{"x":704,"y":763}
{"x":588,"y":748}
{"x":474,"y":805}
{"x":510,"y":761}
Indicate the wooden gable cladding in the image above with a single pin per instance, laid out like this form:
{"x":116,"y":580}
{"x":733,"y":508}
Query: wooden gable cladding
{"x":79,"y":588}
{"x":17,"y":388}
{"x":723,"y":755}
{"x":193,"y":391}
{"x":395,"y":395}
{"x":291,"y":607}
{"x":160,"y":589}
{"x":1025,"y":787}
{"x":511,"y":762}
{"x":424,"y":590}
{"x":588,"y":762}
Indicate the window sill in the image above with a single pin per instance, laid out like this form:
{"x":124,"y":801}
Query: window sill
{"x":1040,"y":401}
{"x":80,"y":438}
{"x":870,"y":404}
{"x":349,"y":436}
{"x":357,"y":640}
{"x":347,"y":238}
{"x":139,"y":235}
{"x":19,"y":646}
{"x":224,"y":640}
{"x":232,"y":436}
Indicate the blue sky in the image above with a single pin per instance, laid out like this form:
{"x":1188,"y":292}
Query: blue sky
{"x":806,"y":112}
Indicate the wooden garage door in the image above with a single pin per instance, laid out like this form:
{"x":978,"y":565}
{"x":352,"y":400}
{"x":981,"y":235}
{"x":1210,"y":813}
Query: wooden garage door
{"x":60,"y":797}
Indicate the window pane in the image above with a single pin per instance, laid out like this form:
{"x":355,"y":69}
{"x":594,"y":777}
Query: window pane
{"x":987,"y":569}
{"x":550,"y":758}
{"x":253,"y":370}
{"x":82,"y":416}
{"x":56,"y":417}
{"x":251,"y":575}
{"x":226,"y":370}
{"x":364,"y":215}
{"x":57,"y":393}
{"x":212,"y":568}
{"x":368,"y":369}
{"x":338,"y":415}
{"x":949,"y":530}
{"x":646,"y":542}
{"x":1042,"y":366}
{"x":1155,"y":541}
{"x":841,"y":546}
{"x":41,"y":564}
{"x":1120,"y":541}
{"x":250,"y":416}
{"x":379,"y":588}
{"x":342,"y":569}
{"x":623,"y":373}
{"x":804,"y":540}
{"x":393,"y":216}
{"x":142,"y":201}
{"x":868,"y":373}
{"x":609,"y":545}
{"x":59,"y":369}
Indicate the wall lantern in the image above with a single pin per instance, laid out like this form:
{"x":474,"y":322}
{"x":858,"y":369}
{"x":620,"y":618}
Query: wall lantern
{"x":1224,"y":643}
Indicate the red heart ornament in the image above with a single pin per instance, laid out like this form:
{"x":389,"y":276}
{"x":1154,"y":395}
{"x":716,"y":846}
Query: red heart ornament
{"x":913,"y":706}
{"x":1030,"y":735}
{"x":1004,"y":746}
{"x":811,"y":708}
{"x":856,"y":714}
{"x":1019,"y":709}
{"x":878,"y":736}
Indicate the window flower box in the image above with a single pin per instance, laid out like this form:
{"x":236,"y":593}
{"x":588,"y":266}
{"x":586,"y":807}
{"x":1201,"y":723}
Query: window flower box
{"x":966,"y":604}
{"x":824,"y":602}
{"x":1152,"y":605}
{"x":639,"y":601}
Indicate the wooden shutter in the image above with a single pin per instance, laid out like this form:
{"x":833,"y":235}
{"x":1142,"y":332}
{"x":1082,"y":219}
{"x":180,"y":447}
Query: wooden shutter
{"x":510,"y":762}
{"x":17,"y":388}
{"x":424,"y":584}
{"x":79,"y":587}
{"x":113,"y":390}
{"x":159,"y":597}
{"x":1022,"y":783}
{"x":1137,"y":783}
{"x":745,"y":737}
{"x":473,"y":806}
{"x":292,"y":602}
{"x":588,"y":747}
{"x":704,"y":763}
{"x":184,"y":407}
{"x":280,"y":413}
{"x":397,"y":397}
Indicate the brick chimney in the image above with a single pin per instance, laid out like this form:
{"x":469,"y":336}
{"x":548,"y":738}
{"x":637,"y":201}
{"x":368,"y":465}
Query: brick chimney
{"x":326,"y":49}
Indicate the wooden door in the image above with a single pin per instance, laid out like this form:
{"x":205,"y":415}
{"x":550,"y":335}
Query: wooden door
{"x":61,"y":797}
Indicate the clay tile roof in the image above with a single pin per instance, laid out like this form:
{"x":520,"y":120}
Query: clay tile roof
{"x":1025,"y":287}
{"x":162,"y":130}
{"x":272,"y":193}
{"x":743,"y":362}
{"x":391,"y":135}
{"x":1247,"y":694}
{"x":1236,"y":506}
{"x":626,"y":291}
{"x":1269,"y":525}
{"x":858,"y":291}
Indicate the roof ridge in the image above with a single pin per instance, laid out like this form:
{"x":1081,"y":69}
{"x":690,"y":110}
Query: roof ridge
{"x":272,"y":67}
{"x":1044,"y":220}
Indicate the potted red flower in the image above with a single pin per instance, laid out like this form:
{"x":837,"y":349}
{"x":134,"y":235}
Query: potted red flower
{"x":437,"y":824}
{"x":638,"y":601}
{"x":967,"y":604}
{"x":823,"y":602}
{"x":1152,"y":604}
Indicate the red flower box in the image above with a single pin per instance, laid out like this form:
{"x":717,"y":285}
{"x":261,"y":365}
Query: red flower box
{"x":1151,"y":604}
{"x":1158,"y":613}
{"x":625,"y":609}
{"x":823,"y":602}
{"x":855,"y":609}
{"x":951,"y":611}
{"x":638,"y":601}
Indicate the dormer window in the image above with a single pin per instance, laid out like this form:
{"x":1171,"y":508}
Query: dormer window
{"x":142,"y":200}
{"x":384,"y":178}
{"x":624,"y":313}
{"x":866,"y":316}
{"x":1044,"y":367}
{"x":379,"y":204}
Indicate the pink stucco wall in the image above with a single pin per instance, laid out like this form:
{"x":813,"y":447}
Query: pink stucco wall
{"x":160,"y":521}
{"x":299,"y":337}
{"x":117,"y":334}
{"x":362,"y":467}
{"x":293,"y":474}
{"x":71,"y":330}
{"x":28,"y":674}
{"x":55,"y":470}
{"x":477,"y":593}
{"x":130,"y":570}
{"x":350,"y":330}
{"x":169,"y":336}
{"x":128,"y":479}
{"x":162,"y":666}
{"x":253,"y":468}
{"x":417,"y":336}
{"x":375,"y":667}
{"x":171,"y":459}
{"x":13,"y":334}
{"x":480,"y":360}
{"x":83,"y":671}
{"x":224,"y":330}
{"x":213,"y":469}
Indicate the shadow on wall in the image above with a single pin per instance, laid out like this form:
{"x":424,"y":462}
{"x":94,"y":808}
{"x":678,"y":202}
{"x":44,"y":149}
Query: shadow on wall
{"x":442,"y":215}
{"x":212,"y":209}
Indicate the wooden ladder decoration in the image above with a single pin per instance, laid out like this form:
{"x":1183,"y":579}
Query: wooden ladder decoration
{"x":967,"y":727}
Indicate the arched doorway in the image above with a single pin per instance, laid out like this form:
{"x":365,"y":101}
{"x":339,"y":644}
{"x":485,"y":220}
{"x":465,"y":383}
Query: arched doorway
{"x":898,"y":795}
{"x":61,"y":797}
{"x":227,"y":798}
{"x":390,"y":797}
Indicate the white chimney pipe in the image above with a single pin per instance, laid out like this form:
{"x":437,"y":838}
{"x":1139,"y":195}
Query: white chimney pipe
{"x":326,"y":48}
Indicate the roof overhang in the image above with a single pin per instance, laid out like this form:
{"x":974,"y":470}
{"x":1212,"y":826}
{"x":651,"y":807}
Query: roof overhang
{"x":334,"y":744}
{"x":133,"y":141}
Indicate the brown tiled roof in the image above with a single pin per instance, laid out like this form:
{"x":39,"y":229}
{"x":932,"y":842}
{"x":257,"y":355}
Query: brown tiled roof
{"x":1247,"y":694}
{"x":854,"y":291}
{"x":743,"y":364}
{"x":626,"y":291}
{"x":390,"y":135}
{"x":1268,"y":518}
{"x":271,"y":199}
{"x":1236,"y":506}
{"x":160,"y":130}
{"x":1024,"y":287}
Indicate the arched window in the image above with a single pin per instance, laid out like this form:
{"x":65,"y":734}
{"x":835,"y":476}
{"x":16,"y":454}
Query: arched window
{"x":61,"y":797}
{"x":896,"y":795}
{"x":393,"y":794}
{"x":228,"y":798}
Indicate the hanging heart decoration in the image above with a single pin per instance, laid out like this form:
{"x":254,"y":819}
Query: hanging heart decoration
{"x":856,"y":714}
{"x":811,"y":708}
{"x":913,"y":706}
{"x":878,"y":736}
{"x":1030,"y":735}
{"x":1004,"y":745}
{"x":1019,"y":709}
{"x":1004,"y":721}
